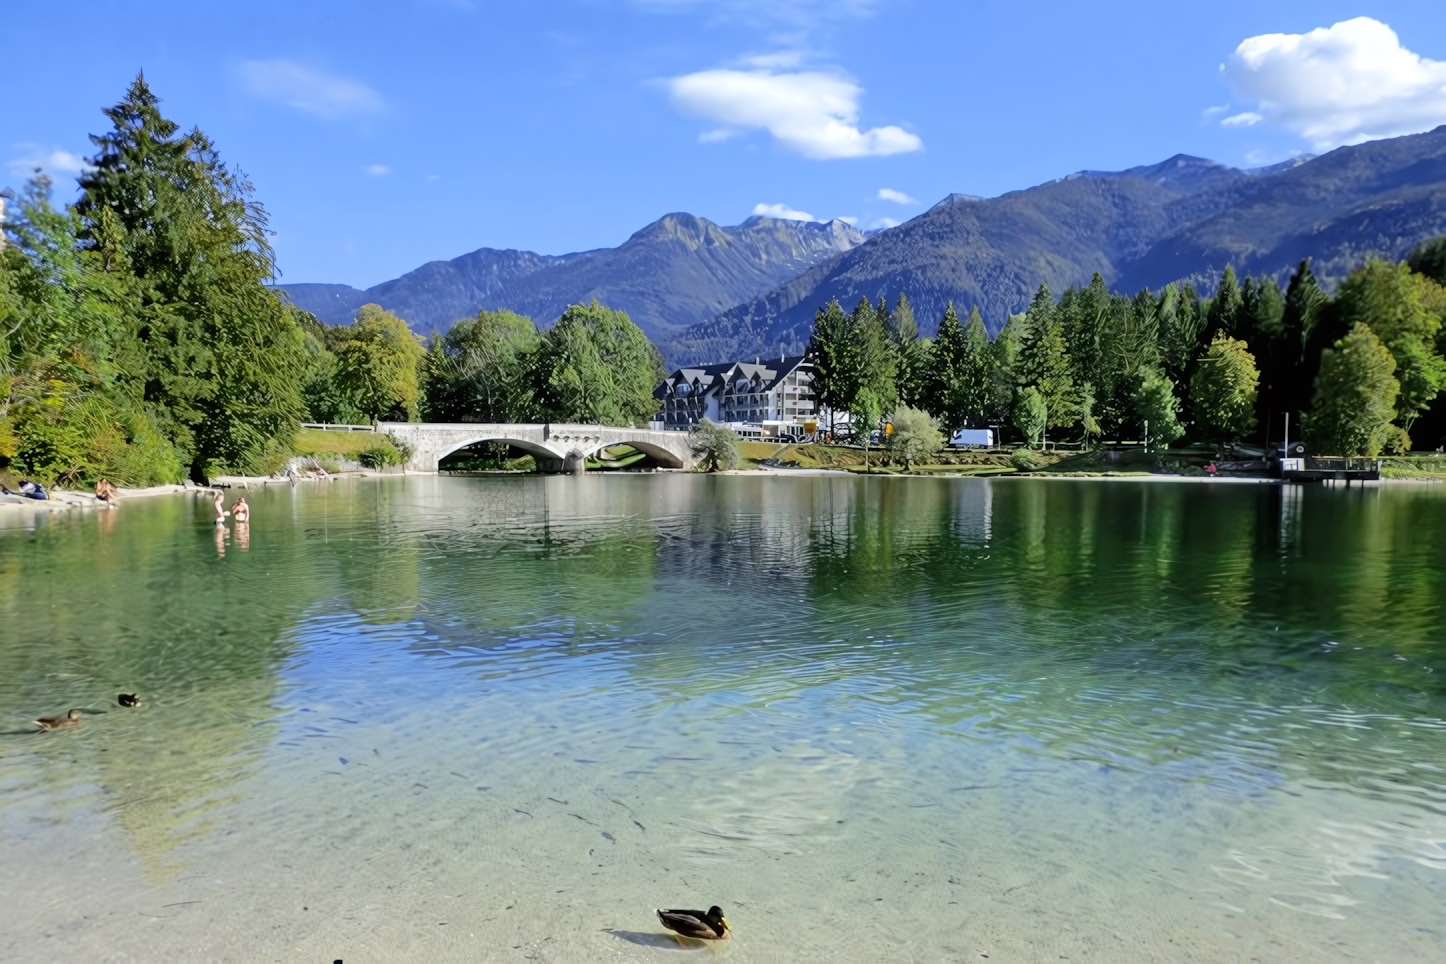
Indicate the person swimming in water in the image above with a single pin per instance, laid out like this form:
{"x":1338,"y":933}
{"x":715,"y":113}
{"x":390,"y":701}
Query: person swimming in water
{"x":240,"y":511}
{"x":221,"y":512}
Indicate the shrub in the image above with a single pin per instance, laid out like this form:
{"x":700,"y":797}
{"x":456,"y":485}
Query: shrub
{"x":1024,"y":460}
{"x":916,"y":436}
{"x":715,"y":446}
{"x":379,"y":457}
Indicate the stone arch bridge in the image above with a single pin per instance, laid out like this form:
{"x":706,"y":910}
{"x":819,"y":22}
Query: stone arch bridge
{"x":556,"y":447}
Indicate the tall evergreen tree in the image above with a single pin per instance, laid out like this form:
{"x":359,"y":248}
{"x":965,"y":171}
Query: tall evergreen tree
{"x":223,"y":358}
{"x":877,"y":389}
{"x":914,"y":354}
{"x":1044,"y":363}
{"x":835,"y":366}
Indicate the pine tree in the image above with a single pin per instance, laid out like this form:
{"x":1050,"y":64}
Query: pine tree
{"x":913,"y":353}
{"x":222,"y":359}
{"x":835,"y":367}
{"x":877,"y":391}
{"x":1044,"y":363}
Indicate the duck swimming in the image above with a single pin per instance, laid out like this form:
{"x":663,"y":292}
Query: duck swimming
{"x":705,"y":926}
{"x":128,"y":699}
{"x":59,"y":722}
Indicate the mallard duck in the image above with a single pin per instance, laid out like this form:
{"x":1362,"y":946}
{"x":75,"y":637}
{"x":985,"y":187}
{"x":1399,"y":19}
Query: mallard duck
{"x":57,"y":722}
{"x":710,"y":926}
{"x":128,"y":699}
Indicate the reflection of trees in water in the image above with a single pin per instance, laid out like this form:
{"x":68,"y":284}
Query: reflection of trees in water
{"x":142,"y":602}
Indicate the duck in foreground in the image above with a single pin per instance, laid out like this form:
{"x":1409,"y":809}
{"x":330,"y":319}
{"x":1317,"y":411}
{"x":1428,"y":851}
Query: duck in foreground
{"x":59,"y":722}
{"x":705,"y":926}
{"x":128,"y":699}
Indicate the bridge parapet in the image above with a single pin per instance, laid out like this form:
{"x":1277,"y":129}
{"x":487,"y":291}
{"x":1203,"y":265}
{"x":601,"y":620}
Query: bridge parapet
{"x":557,"y":447}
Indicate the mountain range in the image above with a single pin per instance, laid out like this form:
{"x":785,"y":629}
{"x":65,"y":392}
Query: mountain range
{"x":678,"y":271}
{"x":704,"y":292}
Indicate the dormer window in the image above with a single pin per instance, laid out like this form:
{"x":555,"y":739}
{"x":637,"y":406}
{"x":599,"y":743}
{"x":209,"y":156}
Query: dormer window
{"x":684,"y":389}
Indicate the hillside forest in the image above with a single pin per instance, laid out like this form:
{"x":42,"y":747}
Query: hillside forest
{"x":139,"y":341}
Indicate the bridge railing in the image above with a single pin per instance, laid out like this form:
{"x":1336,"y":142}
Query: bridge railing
{"x":333,"y":427}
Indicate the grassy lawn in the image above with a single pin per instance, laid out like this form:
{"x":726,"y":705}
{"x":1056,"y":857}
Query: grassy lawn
{"x":1426,"y":466}
{"x":328,"y":447}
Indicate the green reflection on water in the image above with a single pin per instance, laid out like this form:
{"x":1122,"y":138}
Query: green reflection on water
{"x":1062,"y":613}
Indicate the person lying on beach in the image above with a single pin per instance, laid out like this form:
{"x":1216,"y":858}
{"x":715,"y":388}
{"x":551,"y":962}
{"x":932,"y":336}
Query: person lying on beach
{"x":240,"y":511}
{"x":32,"y":490}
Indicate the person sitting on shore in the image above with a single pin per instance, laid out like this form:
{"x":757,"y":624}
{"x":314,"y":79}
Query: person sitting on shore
{"x":32,"y":490}
{"x":240,"y":511}
{"x":106,"y":492}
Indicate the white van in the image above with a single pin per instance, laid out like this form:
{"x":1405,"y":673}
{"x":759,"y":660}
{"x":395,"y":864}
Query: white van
{"x":968,"y":438}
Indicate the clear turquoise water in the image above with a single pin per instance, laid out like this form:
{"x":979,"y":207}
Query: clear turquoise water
{"x":887,"y":719}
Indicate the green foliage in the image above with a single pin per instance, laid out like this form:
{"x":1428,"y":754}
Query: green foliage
{"x":379,"y":457}
{"x":1025,"y":460}
{"x":855,"y":366}
{"x":479,"y":371}
{"x":876,"y":391}
{"x":219,"y":360}
{"x":1223,"y":389}
{"x":1355,"y":397}
{"x":959,"y":377}
{"x":1157,"y":410}
{"x":1429,"y":259}
{"x":834,"y":363}
{"x":1031,"y":414}
{"x":376,"y":365}
{"x":914,"y":355}
{"x":714,"y":446}
{"x":916,"y":436}
{"x":1391,"y":299}
{"x":595,"y":366}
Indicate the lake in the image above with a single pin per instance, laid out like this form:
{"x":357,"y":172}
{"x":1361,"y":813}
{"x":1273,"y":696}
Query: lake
{"x":503,"y":718}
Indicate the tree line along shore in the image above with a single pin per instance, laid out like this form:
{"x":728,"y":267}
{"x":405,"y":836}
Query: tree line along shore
{"x":140,"y":342}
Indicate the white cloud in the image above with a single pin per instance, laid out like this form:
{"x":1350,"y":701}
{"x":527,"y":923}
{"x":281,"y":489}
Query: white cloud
{"x":308,"y":89}
{"x":1247,"y":119}
{"x":847,"y":219}
{"x":898,"y":197}
{"x":1338,"y":85}
{"x":885,"y":223}
{"x":811,"y":112}
{"x":782,"y":211}
{"x":52,"y":162}
{"x":377,"y":170}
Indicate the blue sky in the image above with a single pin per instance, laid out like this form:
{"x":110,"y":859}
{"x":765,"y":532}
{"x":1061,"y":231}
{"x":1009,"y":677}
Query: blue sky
{"x":381,"y":135}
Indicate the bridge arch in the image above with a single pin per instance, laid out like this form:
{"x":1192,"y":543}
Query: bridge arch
{"x":664,"y":457}
{"x":535,"y":449}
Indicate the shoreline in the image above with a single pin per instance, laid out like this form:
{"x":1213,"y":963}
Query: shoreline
{"x":19,"y":512}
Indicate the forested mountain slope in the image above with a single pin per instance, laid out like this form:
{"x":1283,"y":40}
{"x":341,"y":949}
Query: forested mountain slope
{"x":1185,"y":218}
